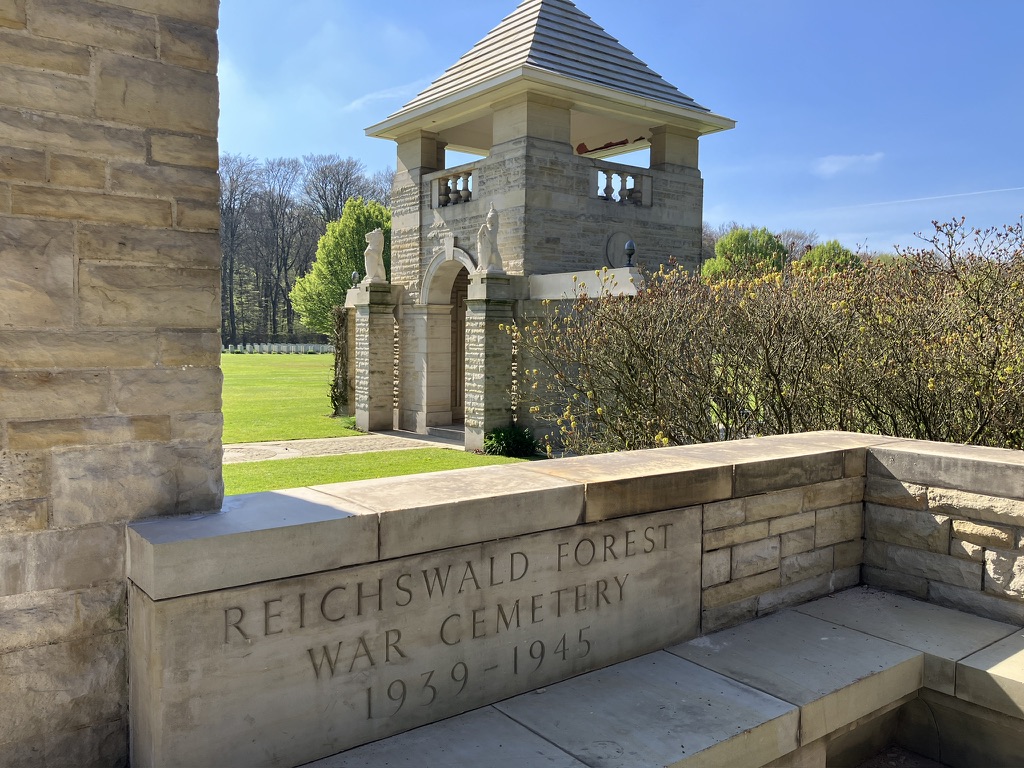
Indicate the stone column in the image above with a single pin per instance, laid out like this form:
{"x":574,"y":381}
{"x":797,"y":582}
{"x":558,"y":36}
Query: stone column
{"x":426,"y":367}
{"x":375,"y":357}
{"x":488,"y":357}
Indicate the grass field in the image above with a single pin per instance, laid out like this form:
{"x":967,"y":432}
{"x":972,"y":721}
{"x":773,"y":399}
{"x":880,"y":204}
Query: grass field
{"x":279,"y":397}
{"x":294,"y":473}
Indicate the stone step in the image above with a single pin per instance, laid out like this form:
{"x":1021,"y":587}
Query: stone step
{"x":454,"y":432}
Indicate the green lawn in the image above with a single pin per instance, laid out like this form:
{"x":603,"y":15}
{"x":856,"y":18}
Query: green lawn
{"x":279,"y":397}
{"x":294,"y":473}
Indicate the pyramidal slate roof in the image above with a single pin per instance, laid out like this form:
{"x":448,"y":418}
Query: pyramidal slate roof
{"x":555,"y":36}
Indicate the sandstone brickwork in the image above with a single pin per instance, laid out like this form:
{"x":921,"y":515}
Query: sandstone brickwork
{"x":109,"y":349}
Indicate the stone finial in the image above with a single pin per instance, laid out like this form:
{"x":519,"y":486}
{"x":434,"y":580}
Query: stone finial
{"x":488,"y":258}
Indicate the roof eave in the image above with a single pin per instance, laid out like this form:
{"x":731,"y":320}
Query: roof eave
{"x":476,"y":100}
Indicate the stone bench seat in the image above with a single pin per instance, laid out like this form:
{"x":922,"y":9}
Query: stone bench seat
{"x":782,"y":690}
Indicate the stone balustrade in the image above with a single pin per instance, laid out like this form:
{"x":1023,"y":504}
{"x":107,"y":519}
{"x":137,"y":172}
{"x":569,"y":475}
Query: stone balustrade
{"x":621,"y":184}
{"x":451,"y":186}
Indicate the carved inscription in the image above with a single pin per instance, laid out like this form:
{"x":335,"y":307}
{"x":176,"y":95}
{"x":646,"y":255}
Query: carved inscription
{"x":353,"y":655}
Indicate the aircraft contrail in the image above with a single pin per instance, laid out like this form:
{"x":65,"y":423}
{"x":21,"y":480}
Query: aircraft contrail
{"x":926,"y":199}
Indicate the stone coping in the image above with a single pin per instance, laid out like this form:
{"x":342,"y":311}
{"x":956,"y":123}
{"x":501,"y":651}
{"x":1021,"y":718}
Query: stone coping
{"x":359,"y":522}
{"x":745,"y":696}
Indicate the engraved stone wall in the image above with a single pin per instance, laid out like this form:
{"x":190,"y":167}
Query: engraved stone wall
{"x":109,"y":346}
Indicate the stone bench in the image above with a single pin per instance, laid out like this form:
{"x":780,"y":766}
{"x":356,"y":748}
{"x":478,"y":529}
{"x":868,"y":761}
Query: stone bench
{"x":829,"y":682}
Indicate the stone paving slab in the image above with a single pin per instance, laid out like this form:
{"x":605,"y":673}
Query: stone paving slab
{"x":238,"y":453}
{"x":484,"y":737}
{"x":913,"y":623}
{"x":994,"y":677}
{"x":659,"y":710}
{"x":834,"y":674}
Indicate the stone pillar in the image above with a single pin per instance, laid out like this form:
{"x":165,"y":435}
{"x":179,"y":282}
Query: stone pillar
{"x":673,"y":148}
{"x":426,"y":367}
{"x":488,"y":357}
{"x":110,"y":384}
{"x":375,"y":357}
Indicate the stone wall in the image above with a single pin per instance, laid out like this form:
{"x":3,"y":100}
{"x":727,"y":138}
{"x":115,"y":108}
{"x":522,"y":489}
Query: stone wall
{"x":946,"y":524}
{"x":109,"y":344}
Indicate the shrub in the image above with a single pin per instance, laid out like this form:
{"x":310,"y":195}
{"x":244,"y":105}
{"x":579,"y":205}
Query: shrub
{"x":513,"y":441}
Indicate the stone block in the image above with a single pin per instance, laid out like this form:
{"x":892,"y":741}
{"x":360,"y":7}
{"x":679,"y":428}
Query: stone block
{"x":855,"y":463}
{"x":74,"y":171}
{"x":894,"y":580}
{"x":978,"y":603}
{"x":1004,"y":573}
{"x":990,"y":536}
{"x":37,"y":53}
{"x":49,"y":133}
{"x":198,"y":476}
{"x":481,"y":737}
{"x":89,"y":23}
{"x":165,"y":181}
{"x":21,"y":164}
{"x":189,"y":151}
{"x":991,"y":509}
{"x":160,"y":248}
{"x":975,"y":469}
{"x":912,"y":623}
{"x":769,"y":505}
{"x":197,"y":427}
{"x":920,"y":530}
{"x":741,"y":534}
{"x":848,"y":554}
{"x":112,"y":295}
{"x":155,"y":95}
{"x":832,"y":526}
{"x":188,"y":45}
{"x":13,"y":571}
{"x":196,"y":390}
{"x":835,"y":494}
{"x":37,"y":260}
{"x":801,"y":591}
{"x":788,"y":472}
{"x":22,"y":476}
{"x":197,"y":11}
{"x":723,"y":514}
{"x":994,"y":676}
{"x":82,"y":349}
{"x":966,"y":550}
{"x":195,"y":348}
{"x":796,"y":542}
{"x":834,"y":674}
{"x":453,"y":652}
{"x":716,"y":567}
{"x":755,"y":557}
{"x":46,"y":91}
{"x":196,"y":215}
{"x":58,"y":615}
{"x":728,"y":615}
{"x":74,"y":559}
{"x":257,"y":533}
{"x":88,"y":484}
{"x":21,"y":516}
{"x":791,"y":523}
{"x":636,"y":482}
{"x":895,"y":493}
{"x":89,"y":206}
{"x":662,"y":710}
{"x":740,"y":589}
{"x":806,"y":565}
{"x":926,"y":565}
{"x":103,"y":745}
{"x":63,"y":686}
{"x":42,"y":394}
{"x":12,"y":14}
{"x":100,"y":430}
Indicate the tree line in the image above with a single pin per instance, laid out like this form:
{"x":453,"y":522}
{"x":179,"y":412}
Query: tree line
{"x":273,"y":214}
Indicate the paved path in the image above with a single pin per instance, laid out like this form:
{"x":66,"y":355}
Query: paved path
{"x":333,"y":446}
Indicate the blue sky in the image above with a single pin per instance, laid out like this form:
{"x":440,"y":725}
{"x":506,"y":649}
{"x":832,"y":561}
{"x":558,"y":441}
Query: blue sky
{"x":860,"y":119}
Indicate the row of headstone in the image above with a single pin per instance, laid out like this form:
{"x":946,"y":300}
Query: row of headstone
{"x":278,"y":349}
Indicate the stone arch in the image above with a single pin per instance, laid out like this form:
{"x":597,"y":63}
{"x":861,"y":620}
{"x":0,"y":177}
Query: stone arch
{"x":440,"y":275}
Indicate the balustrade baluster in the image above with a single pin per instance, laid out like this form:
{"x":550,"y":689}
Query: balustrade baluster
{"x":609,"y":188}
{"x":444,"y":194}
{"x":467,"y":193}
{"x":456,"y":197}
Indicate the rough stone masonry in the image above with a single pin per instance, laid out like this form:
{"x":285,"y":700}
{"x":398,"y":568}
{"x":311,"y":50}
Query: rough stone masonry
{"x":109,"y":349}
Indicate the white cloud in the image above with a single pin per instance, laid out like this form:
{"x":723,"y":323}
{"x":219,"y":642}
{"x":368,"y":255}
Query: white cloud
{"x":403,"y":92}
{"x":833,"y":165}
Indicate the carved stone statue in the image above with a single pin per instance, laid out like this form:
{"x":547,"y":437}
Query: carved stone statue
{"x":373,"y":258}
{"x":488,"y":258}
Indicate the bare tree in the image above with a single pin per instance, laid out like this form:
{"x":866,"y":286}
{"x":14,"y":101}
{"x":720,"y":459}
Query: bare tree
{"x":378,"y":187}
{"x":328,"y":181}
{"x":238,"y":184}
